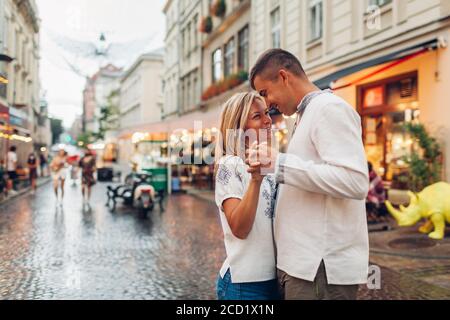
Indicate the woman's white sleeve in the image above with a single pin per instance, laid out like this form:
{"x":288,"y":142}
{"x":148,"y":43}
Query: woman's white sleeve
{"x":229,"y":182}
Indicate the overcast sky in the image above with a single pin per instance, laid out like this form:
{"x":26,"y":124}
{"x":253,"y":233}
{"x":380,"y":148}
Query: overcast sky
{"x":84,"y":20}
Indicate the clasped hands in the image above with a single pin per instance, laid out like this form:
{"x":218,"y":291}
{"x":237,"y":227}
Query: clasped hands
{"x":261,"y":159}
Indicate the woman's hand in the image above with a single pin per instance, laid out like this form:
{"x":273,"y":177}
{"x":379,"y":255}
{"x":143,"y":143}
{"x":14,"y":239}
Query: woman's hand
{"x":253,"y":165}
{"x":261,"y":158}
{"x":255,"y":172}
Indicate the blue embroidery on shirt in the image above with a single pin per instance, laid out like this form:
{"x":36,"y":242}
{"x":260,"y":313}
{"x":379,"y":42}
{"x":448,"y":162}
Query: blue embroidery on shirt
{"x":270,"y":197}
{"x":224,"y":175}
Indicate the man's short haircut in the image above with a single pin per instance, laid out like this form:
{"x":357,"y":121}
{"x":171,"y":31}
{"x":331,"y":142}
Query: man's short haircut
{"x":13,"y":148}
{"x":271,"y":61}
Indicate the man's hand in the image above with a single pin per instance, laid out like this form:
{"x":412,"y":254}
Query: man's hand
{"x":261,"y":158}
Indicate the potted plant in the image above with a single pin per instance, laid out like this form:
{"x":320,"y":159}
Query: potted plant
{"x":242,"y":76}
{"x":219,"y":8}
{"x":206,"y":25}
{"x":224,"y":85}
{"x":233,"y":81}
{"x":425,"y":165}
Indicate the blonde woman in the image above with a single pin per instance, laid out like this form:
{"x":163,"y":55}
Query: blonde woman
{"x":246,"y":203}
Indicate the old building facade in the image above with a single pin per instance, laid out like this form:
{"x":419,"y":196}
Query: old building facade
{"x":141,"y":106}
{"x":21,"y":120}
{"x":388,"y":58}
{"x":171,"y":60}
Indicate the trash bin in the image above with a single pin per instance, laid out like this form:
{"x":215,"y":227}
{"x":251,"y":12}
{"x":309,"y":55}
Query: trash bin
{"x":105,"y":174}
{"x":176,"y":184}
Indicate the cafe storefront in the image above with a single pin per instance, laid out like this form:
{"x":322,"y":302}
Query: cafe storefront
{"x":385,"y":107}
{"x":407,"y":84}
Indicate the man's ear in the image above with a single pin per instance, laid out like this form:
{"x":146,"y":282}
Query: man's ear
{"x":284,"y":76}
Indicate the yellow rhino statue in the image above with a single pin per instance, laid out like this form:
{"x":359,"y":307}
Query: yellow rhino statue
{"x":432,"y":204}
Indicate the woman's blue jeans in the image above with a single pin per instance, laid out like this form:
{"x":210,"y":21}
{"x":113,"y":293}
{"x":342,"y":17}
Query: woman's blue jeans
{"x":265,"y":290}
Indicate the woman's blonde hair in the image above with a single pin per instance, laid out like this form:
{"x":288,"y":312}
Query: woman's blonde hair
{"x":234,"y":116}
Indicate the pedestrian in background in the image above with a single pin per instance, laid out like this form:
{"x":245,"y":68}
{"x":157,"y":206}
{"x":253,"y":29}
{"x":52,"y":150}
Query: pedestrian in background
{"x":3,"y":182}
{"x":376,"y":196}
{"x":11,"y":167}
{"x":43,"y":164}
{"x":88,"y":167}
{"x":32,"y":170}
{"x":73,"y":161}
{"x":58,"y":167}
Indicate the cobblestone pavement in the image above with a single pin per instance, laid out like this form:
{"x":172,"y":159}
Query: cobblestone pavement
{"x":52,"y":253}
{"x":403,"y":286}
{"x":48,"y":252}
{"x":411,"y":253}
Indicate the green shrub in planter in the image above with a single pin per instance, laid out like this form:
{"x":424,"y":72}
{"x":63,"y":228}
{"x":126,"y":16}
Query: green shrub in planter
{"x":206,"y":25}
{"x":242,"y":76}
{"x":219,"y":8}
{"x":425,"y":166}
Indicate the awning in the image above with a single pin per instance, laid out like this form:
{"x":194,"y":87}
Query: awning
{"x":157,"y":127}
{"x":20,"y":130}
{"x":327,"y":81}
{"x":196,"y":120}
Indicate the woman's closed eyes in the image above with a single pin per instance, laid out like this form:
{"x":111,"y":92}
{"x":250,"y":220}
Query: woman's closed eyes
{"x":257,"y":115}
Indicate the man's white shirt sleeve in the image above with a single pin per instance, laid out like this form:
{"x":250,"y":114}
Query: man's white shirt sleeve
{"x":343,"y":171}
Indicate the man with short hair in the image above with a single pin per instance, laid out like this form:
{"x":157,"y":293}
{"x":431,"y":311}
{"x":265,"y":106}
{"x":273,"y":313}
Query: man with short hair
{"x":11,"y":165}
{"x":320,"y":226}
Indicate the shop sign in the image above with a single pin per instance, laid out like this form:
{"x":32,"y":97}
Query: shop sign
{"x":4,"y":113}
{"x":374,"y":97}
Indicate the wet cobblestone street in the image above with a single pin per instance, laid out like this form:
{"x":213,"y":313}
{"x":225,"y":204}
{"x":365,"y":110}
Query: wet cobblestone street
{"x":52,"y":253}
{"x":47,"y":252}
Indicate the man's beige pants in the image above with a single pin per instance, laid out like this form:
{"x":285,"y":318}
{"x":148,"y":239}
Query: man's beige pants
{"x":297,"y":289}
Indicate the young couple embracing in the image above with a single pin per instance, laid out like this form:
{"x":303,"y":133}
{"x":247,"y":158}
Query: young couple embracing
{"x":294,"y":223}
